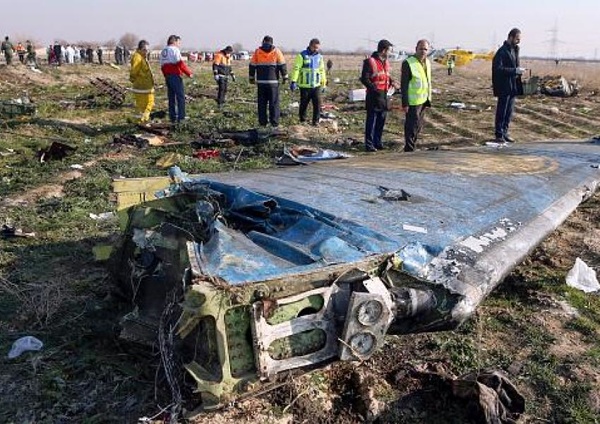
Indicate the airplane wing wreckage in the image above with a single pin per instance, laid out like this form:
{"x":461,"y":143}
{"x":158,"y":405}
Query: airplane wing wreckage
{"x":241,"y":277}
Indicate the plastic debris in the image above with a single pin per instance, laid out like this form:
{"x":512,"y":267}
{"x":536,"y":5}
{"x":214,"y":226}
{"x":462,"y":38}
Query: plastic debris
{"x":102,"y":216}
{"x":76,"y":166}
{"x":359,"y":95}
{"x":582,"y":277}
{"x":414,"y":228}
{"x":207,"y":154}
{"x":390,"y":194}
{"x":24,"y":344}
{"x":458,"y":105}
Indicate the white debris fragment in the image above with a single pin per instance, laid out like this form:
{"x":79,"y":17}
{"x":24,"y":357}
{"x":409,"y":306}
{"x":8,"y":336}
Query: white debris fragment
{"x":582,"y":277}
{"x":102,"y":216}
{"x":414,"y":228}
{"x":76,"y":166}
{"x":24,"y":344}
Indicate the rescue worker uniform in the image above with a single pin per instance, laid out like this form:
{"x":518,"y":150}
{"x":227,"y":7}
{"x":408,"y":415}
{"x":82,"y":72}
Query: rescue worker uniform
{"x":450,"y":64}
{"x":143,"y":84}
{"x":173,"y":67}
{"x":21,"y":52}
{"x":376,"y":78}
{"x":415,"y":86}
{"x":266,"y":66}
{"x":309,"y":74}
{"x":222,"y":72}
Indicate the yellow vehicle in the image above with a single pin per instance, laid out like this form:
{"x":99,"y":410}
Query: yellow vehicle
{"x":461,"y":56}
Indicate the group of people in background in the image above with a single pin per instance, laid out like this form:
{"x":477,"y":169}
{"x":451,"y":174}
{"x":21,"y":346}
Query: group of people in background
{"x":57,"y":54}
{"x":25,"y":53}
{"x":309,"y":75}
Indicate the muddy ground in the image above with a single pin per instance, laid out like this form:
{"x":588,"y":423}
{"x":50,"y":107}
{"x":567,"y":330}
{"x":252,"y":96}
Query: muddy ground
{"x":543,"y":334}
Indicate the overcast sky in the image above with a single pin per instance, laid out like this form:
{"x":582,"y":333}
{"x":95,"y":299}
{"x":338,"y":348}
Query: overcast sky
{"x":340,"y":24}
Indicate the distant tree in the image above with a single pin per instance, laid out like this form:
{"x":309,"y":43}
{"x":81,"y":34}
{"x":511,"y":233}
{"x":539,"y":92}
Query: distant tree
{"x":111,"y":44}
{"x":237,"y":47}
{"x":129,"y":40}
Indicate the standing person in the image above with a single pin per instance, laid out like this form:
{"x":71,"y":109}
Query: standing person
{"x":309,"y":75}
{"x":89,"y":53}
{"x":222,"y":71}
{"x":21,"y":52}
{"x":99,"y":53}
{"x":58,"y":53}
{"x":415,"y":85}
{"x":142,"y":79}
{"x":376,"y":77}
{"x":266,"y":66}
{"x":8,"y":50}
{"x":30,"y":49}
{"x":69,"y":54}
{"x":172,"y":67}
{"x":119,"y":55}
{"x":506,"y":80}
{"x":82,"y":55}
{"x":450,"y":63}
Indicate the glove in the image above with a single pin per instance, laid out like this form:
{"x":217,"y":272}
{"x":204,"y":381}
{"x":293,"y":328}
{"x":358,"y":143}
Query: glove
{"x":520,"y":71}
{"x":232,"y":77}
{"x":252,"y":80}
{"x":293,"y":86}
{"x":216,"y":77}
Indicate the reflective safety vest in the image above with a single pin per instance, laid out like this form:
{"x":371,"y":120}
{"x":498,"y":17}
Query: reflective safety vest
{"x":419,"y":86}
{"x":380,"y":73}
{"x":309,"y":70}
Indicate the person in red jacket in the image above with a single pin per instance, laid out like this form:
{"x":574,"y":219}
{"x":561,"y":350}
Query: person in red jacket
{"x":172,"y":67}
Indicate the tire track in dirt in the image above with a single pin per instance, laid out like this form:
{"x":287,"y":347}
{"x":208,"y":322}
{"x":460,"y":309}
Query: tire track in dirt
{"x":523,"y":121}
{"x":447,"y":120}
{"x":569,"y":129}
{"x":572,"y":115}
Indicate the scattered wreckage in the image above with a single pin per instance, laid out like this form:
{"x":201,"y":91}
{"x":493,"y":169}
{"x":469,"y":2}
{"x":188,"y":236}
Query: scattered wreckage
{"x":243,"y":277}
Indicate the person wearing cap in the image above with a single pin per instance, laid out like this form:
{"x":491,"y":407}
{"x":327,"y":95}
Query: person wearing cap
{"x":415,"y":86}
{"x":309,"y":75}
{"x":172,"y":67}
{"x":222,"y":72}
{"x":376,"y":77}
{"x":142,"y":79}
{"x":266,"y":67}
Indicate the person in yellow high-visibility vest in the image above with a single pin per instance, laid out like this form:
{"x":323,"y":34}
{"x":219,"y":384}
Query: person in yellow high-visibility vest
{"x":309,"y":75}
{"x":143,"y":81}
{"x":415,"y":85}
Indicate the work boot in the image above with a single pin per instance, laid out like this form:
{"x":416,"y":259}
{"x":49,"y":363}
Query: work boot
{"x":509,"y":139}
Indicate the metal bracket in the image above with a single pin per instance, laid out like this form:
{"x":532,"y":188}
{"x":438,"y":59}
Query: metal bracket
{"x":264,"y":334}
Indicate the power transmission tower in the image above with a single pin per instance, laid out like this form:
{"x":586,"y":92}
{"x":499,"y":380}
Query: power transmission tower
{"x":553,"y":41}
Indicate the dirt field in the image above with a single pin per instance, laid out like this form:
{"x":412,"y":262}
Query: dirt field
{"x":543,"y":334}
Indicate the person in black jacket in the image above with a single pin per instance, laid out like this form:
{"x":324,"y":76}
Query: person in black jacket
{"x":506,"y":80}
{"x":376,"y":77}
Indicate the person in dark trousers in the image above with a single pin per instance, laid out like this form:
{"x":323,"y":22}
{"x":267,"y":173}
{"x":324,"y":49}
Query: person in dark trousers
{"x":507,"y":84}
{"x":222,"y":72}
{"x":415,"y":86}
{"x":99,"y":53}
{"x":266,"y":66}
{"x":58,"y":53}
{"x":8,"y":50}
{"x":309,"y":74}
{"x":173,"y":67}
{"x":376,"y":77}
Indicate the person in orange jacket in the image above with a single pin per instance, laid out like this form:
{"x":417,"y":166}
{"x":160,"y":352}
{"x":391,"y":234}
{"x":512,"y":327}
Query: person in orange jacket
{"x":266,"y":66}
{"x":222,"y":72}
{"x":172,"y":67}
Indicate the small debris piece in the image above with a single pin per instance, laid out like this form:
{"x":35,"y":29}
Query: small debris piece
{"x":582,"y":277}
{"x":56,"y":151}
